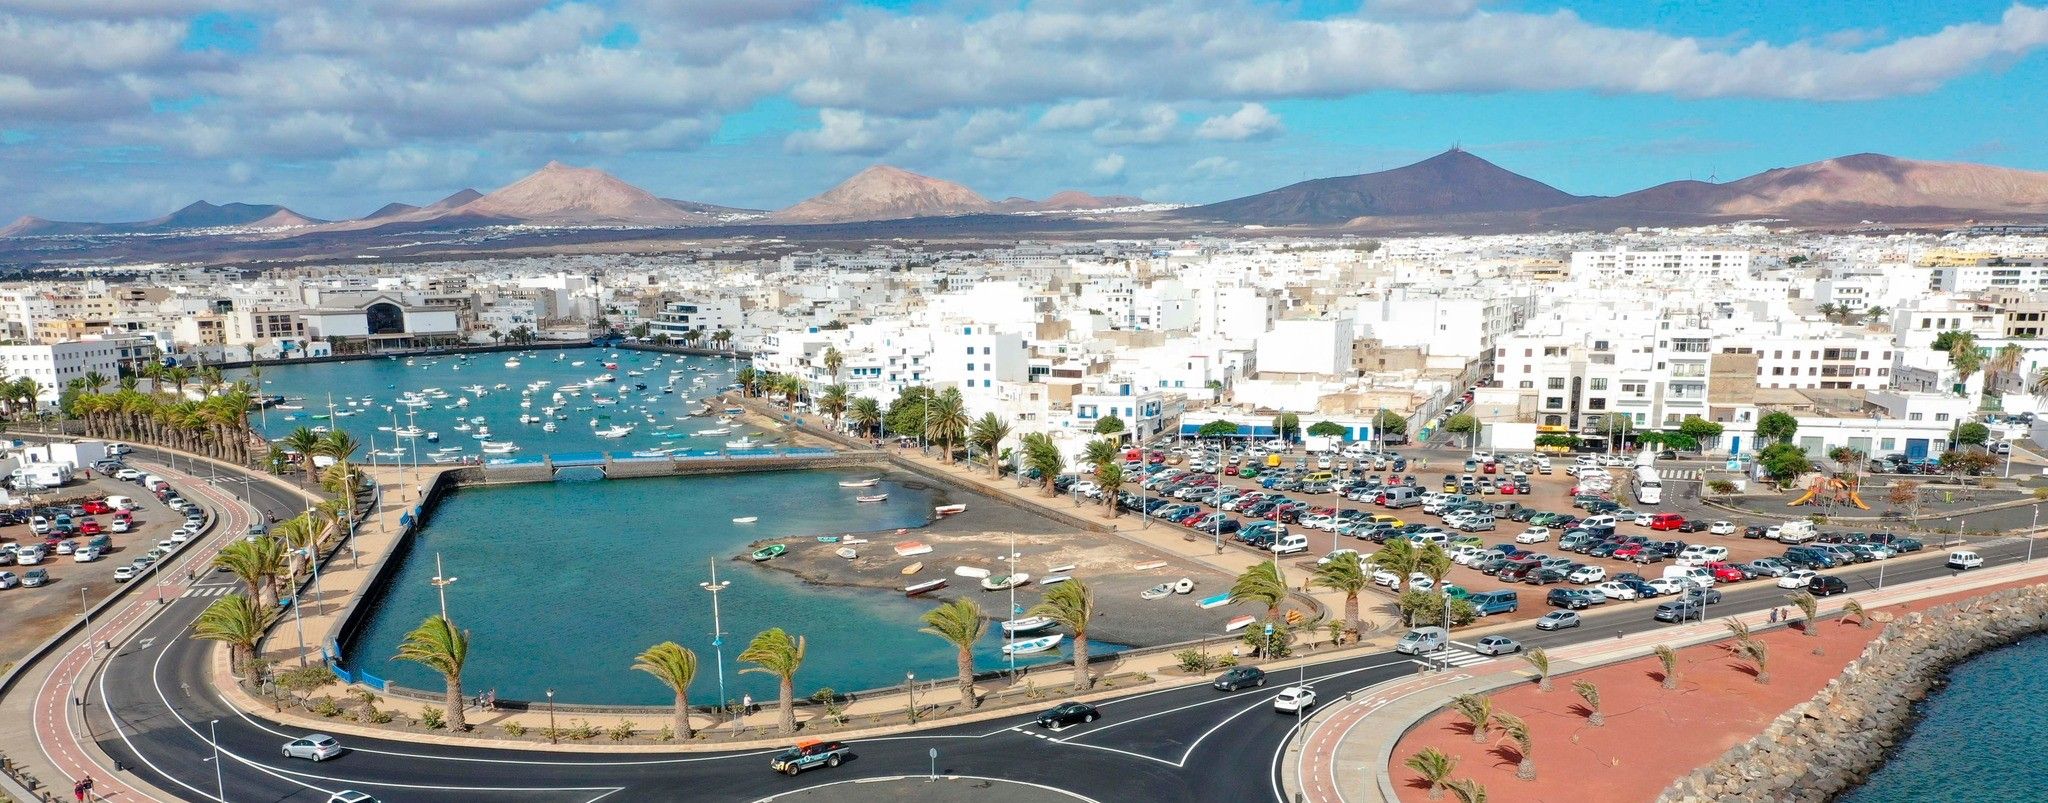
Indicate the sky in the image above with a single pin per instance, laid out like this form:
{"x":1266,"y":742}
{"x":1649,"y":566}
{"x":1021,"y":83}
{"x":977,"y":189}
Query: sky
{"x":127,"y":109}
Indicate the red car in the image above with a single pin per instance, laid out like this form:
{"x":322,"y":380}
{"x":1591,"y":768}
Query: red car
{"x":1666,"y":521}
{"x":97,"y":506}
{"x":88,"y":527}
{"x":1230,"y":469}
{"x":1508,"y":489}
{"x":1627,"y":552}
{"x":1489,"y":468}
{"x":1726,"y":572}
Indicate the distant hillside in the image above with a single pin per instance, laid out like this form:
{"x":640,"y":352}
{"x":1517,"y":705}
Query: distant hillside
{"x":885,"y":193}
{"x":1450,"y":183}
{"x":1068,"y":201}
{"x":197,"y":215}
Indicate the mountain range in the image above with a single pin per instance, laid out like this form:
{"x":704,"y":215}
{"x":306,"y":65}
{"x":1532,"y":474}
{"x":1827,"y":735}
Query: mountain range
{"x":1452,"y":191}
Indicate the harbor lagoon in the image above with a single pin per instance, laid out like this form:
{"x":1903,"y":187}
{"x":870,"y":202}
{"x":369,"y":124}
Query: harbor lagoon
{"x":457,"y":398}
{"x":1988,"y":702}
{"x":562,"y":584}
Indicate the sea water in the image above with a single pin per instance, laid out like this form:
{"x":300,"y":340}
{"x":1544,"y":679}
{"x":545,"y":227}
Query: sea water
{"x":1976,"y":738}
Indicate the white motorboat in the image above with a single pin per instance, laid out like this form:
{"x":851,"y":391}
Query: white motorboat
{"x":1029,"y":624}
{"x":1034,"y":645}
{"x":1054,"y":579}
{"x":872,"y":498}
{"x":500,"y":447}
{"x":512,"y":363}
{"x":549,"y":427}
{"x":616,"y":431}
{"x":718,"y":431}
{"x":866,"y":483}
{"x":846,"y":552}
{"x":1183,"y":586}
{"x":745,"y":442}
{"x":746,"y":519}
{"x":1160,"y":591}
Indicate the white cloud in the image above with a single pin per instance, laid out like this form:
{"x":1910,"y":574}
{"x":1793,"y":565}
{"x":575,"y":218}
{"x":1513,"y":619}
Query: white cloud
{"x":1250,"y":121}
{"x":1214,"y":167}
{"x":1079,"y":115}
{"x":843,"y":131}
{"x":1110,"y":166}
{"x":1148,"y":126}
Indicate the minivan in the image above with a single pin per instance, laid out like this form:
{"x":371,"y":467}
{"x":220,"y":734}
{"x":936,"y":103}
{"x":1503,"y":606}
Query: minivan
{"x":1698,"y":576}
{"x":1486,"y":603}
{"x":1423,"y":640}
{"x":1477,"y":522}
{"x":1598,"y":521}
{"x":1962,"y":560}
{"x":1290,"y":543}
{"x":1823,"y":585}
{"x":1401,"y":497}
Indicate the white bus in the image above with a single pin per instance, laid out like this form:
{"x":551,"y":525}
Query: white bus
{"x":1649,"y":489}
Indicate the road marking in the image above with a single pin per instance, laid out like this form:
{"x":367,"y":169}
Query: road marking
{"x":208,"y":591}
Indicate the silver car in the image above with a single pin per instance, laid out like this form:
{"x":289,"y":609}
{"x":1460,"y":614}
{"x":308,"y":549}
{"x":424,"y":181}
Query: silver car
{"x":1496,"y":645}
{"x":317,"y":747}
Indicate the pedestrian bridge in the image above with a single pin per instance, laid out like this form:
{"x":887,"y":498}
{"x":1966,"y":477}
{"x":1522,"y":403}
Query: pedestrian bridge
{"x":588,"y":466}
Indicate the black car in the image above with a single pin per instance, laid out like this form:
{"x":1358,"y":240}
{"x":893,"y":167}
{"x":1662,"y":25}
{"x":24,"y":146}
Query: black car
{"x":1065,"y":714}
{"x":1544,"y":577}
{"x":1826,"y":585}
{"x":1569,"y":599}
{"x":1752,"y":531}
{"x":1238,"y":678}
{"x":1693,"y":526}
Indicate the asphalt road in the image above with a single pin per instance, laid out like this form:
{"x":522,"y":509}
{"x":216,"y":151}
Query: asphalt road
{"x":152,"y":707}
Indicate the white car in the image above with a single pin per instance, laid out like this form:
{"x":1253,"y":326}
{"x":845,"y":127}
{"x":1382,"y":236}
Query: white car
{"x":67,"y":546}
{"x":128,"y":474}
{"x":9,"y":580}
{"x":29,"y":556}
{"x":1464,"y":554}
{"x":1669,"y":585}
{"x":1643,"y":519}
{"x":1587,"y":575}
{"x":1616,"y":590}
{"x":1721,"y":528}
{"x":1294,"y":698}
{"x":1386,"y":578}
{"x":121,"y":525}
{"x":86,"y":554}
{"x":1420,"y":581}
{"x":124,"y":574}
{"x":1533,"y":535}
{"x":1797,"y":578}
{"x":181,"y":535}
{"x":1334,"y":554}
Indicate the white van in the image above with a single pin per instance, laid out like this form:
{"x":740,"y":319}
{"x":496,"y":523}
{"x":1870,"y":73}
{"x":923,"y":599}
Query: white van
{"x":1963,"y":559}
{"x":1290,"y":543}
{"x":1423,"y":640}
{"x":1427,"y":537}
{"x":1796,"y":532}
{"x":1696,"y":575}
{"x":122,"y":503}
{"x":1602,"y":520}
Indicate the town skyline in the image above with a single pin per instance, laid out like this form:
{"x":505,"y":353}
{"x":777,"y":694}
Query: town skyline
{"x":336,"y":110}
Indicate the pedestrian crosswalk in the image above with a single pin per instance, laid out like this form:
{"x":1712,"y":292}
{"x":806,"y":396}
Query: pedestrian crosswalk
{"x":209,"y":591}
{"x":1680,"y":473}
{"x":1457,"y":655}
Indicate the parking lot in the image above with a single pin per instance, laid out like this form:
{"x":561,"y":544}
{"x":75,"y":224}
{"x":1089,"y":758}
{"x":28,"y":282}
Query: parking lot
{"x":1504,"y":516}
{"x":33,"y":614}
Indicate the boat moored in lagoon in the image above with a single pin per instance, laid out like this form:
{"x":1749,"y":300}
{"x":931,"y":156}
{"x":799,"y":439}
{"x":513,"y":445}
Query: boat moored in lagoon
{"x":872,"y":498}
{"x":1003,"y":581}
{"x":1034,"y":645}
{"x":1029,"y":624}
{"x":866,"y":483}
{"x":947,"y":510}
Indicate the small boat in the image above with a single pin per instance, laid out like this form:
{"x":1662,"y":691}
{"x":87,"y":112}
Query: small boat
{"x":1183,"y":586}
{"x":433,"y":437}
{"x":1065,"y":568}
{"x":925,"y":587}
{"x":851,"y":539}
{"x":1217,"y":601}
{"x":1003,"y":581}
{"x":746,"y":519}
{"x":909,"y":548}
{"x":948,"y":510}
{"x":1149,"y":566}
{"x":745,"y":442}
{"x":1029,"y":624}
{"x":770,"y":551}
{"x":846,"y":552}
{"x":1040,"y":644}
{"x":512,"y":363}
{"x":866,"y":483}
{"x":971,"y":571}
{"x":872,"y":498}
{"x":828,"y":539}
{"x":1054,"y":579}
{"x":1239,"y":623}
{"x":616,"y":431}
{"x":1160,"y":591}
{"x":914,"y":568}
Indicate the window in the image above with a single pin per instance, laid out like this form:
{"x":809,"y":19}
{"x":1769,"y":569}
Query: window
{"x":970,"y":351}
{"x":1597,"y":383}
{"x":1941,"y":416}
{"x":1596,"y":404}
{"x":1554,"y":403}
{"x":1527,"y":385}
{"x":1887,"y":444}
{"x":1555,"y":383}
{"x":1913,"y":416}
{"x":984,"y":350}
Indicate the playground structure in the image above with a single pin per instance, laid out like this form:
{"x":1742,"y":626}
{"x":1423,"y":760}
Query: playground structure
{"x":1826,"y":489}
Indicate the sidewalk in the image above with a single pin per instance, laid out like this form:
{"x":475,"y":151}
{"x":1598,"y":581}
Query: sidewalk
{"x":1337,"y":761}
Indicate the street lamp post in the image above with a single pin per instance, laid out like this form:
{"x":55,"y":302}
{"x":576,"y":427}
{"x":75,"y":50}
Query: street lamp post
{"x":441,"y":584}
{"x":910,"y":687}
{"x":554,"y":736}
{"x":717,"y":629}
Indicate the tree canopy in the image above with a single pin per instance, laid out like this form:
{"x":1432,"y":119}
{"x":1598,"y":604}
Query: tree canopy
{"x":1777,"y":426}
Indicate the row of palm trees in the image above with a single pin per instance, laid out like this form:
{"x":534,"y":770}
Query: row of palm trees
{"x":216,"y":425}
{"x":1347,"y":573}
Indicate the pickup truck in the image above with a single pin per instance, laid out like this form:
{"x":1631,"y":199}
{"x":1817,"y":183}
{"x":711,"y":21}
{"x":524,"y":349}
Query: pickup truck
{"x":806,"y":755}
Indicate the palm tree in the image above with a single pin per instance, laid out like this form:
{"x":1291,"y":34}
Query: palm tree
{"x":1851,"y":607}
{"x":989,"y":432}
{"x":95,"y":381}
{"x":1828,"y":311}
{"x":721,"y":338}
{"x":1264,"y":583}
{"x":1043,"y":456}
{"x":1591,"y":694}
{"x":1966,"y":358}
{"x":234,"y":620}
{"x":833,"y":402}
{"x":946,"y":421}
{"x":749,"y":380}
{"x":1758,"y":654}
{"x":1111,"y":477}
{"x":1517,"y":731}
{"x":1346,"y":573}
{"x":791,"y":389}
{"x":867,"y":414}
{"x":962,"y":625}
{"x":440,"y":647}
{"x":1669,"y":658}
{"x":1072,"y":605}
{"x":676,"y":667}
{"x":1809,"y":608}
{"x":1435,"y":767}
{"x":1468,"y":791}
{"x":833,"y":362}
{"x":1476,"y":709}
{"x":2005,"y":361}
{"x":299,"y":534}
{"x":305,"y":443}
{"x":2038,"y":383}
{"x":1398,"y":556}
{"x":1435,"y":563}
{"x":257,"y":564}
{"x":339,"y":445}
{"x":777,"y":653}
{"x":1099,"y":453}
{"x":1539,"y":661}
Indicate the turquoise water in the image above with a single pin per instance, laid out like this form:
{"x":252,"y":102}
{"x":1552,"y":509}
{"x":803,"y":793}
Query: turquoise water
{"x":562,"y":584}
{"x":365,"y":392}
{"x":1977,"y":738}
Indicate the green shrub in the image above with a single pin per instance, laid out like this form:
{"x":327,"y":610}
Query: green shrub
{"x":433,"y":718}
{"x":621,"y":731}
{"x":326,"y":706}
{"x":666,"y":734}
{"x":515,"y":729}
{"x":582,"y":729}
{"x":1195,"y":660}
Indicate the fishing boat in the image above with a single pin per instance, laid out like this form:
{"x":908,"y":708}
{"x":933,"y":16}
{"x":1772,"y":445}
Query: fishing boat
{"x":948,"y":510}
{"x":1149,"y":566}
{"x":1054,"y":579}
{"x":909,"y":548}
{"x":925,"y":587}
{"x":872,"y":498}
{"x":866,"y":483}
{"x":1040,"y":644}
{"x":1160,"y":591}
{"x":615,"y":431}
{"x":846,"y":552}
{"x":1237,"y":623}
{"x":745,"y":442}
{"x":500,"y":447}
{"x":914,"y":568}
{"x":746,"y":519}
{"x":971,"y":571}
{"x":769,"y":551}
{"x":715,"y":431}
{"x":1003,"y":581}
{"x":433,"y":437}
{"x":828,"y":539}
{"x":1029,"y":624}
{"x":1217,"y":601}
{"x":1183,"y":586}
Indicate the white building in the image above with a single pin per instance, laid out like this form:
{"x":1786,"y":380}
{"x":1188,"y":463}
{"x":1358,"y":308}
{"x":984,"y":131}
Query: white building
{"x":1318,"y":346}
{"x":53,"y":365}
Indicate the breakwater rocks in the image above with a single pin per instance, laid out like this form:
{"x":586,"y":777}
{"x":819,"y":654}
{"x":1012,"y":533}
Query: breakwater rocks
{"x":1822,"y":747}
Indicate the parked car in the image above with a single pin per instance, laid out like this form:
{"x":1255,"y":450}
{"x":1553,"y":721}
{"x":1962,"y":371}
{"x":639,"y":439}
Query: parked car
{"x":35,"y":577}
{"x":1569,"y":599}
{"x":1724,"y":528}
{"x":1797,"y":578}
{"x":1557,"y":620}
{"x":1823,"y":585}
{"x":1587,"y":575}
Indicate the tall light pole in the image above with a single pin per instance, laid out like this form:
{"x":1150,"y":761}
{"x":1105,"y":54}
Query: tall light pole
{"x":441,"y":584}
{"x":554,"y":736}
{"x":717,"y":628}
{"x":219,"y":778}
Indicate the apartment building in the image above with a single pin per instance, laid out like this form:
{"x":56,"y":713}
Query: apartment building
{"x":1990,"y":273}
{"x":54,"y":365}
{"x":1622,"y":265}
{"x":703,"y":316}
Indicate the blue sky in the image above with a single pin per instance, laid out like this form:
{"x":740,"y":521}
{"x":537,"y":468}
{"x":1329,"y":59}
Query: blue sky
{"x":124,"y":110}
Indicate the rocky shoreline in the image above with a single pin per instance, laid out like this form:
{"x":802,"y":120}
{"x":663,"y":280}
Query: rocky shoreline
{"x":1827,"y":745}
